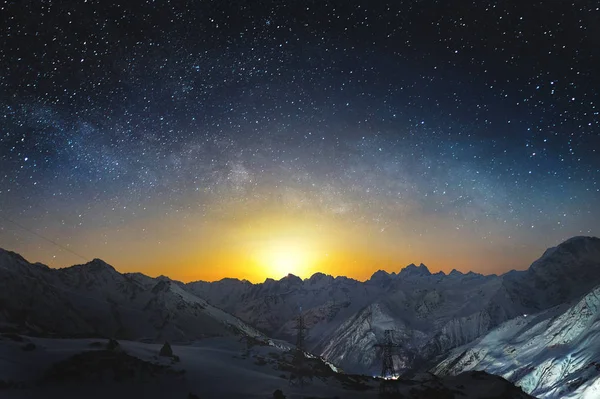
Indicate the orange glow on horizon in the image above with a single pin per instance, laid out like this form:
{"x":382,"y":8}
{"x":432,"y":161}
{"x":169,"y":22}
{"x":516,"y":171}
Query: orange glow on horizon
{"x":272,"y":244}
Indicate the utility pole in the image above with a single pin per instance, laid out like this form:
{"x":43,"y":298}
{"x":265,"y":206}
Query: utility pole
{"x":300,"y":329}
{"x":332,"y":309}
{"x":299,"y":359}
{"x":388,"y":372}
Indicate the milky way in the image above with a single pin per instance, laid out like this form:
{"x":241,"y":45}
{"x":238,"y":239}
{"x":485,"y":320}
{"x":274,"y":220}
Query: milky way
{"x":468,"y":133}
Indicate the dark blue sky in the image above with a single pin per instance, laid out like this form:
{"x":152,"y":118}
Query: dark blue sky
{"x":407,"y":123}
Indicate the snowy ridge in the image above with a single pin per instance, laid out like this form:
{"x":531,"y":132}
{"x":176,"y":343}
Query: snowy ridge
{"x":552,"y":354}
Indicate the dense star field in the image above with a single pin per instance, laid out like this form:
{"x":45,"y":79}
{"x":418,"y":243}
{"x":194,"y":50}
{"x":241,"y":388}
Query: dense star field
{"x":251,"y":139}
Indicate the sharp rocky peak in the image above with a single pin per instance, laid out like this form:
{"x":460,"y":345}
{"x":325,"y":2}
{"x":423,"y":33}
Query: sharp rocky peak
{"x":319,"y":277}
{"x":380,"y":275}
{"x":291,"y":279}
{"x":456,"y":273}
{"x":413,"y":270}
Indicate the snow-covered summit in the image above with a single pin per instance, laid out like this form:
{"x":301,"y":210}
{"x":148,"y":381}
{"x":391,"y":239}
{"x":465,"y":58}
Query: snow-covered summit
{"x":455,"y":273}
{"x":320,"y":279}
{"x":414,"y":271}
{"x":381,"y":276}
{"x":291,"y":279}
{"x":562,"y":273}
{"x":94,"y":266}
{"x":572,"y":252}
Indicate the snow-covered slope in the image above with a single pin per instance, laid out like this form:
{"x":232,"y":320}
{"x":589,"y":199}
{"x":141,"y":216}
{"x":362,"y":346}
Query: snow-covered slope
{"x":430,"y":313}
{"x":552,"y":354}
{"x":95,"y":299}
{"x":211,"y":368}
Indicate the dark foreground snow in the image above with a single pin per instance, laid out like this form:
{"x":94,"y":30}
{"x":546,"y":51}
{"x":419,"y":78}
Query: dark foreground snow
{"x":211,"y":368}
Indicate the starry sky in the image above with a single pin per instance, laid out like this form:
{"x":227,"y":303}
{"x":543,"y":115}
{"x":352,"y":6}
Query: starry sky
{"x":249,"y":139}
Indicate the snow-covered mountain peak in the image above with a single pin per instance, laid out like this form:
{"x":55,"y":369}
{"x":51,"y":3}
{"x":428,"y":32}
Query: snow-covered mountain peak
{"x":320,"y":278}
{"x":99,"y":265}
{"x":575,"y":255}
{"x":413,"y":270}
{"x":455,"y":273}
{"x":233,"y":280}
{"x":380,"y":275}
{"x":291,"y":279}
{"x":382,"y":278}
{"x":578,"y":240}
{"x":561,"y":274}
{"x":472,"y":274}
{"x":10,"y":254}
{"x":13,"y":260}
{"x":95,"y":266}
{"x":581,"y":247}
{"x":268,"y":281}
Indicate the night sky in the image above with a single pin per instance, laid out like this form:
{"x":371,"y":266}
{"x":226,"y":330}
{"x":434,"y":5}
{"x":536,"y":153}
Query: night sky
{"x":249,"y":139}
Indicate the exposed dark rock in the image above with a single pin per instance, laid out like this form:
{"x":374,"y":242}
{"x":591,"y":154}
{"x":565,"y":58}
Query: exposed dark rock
{"x":28,"y":347}
{"x":166,"y":350}
{"x":113,"y":345}
{"x":278,"y":394}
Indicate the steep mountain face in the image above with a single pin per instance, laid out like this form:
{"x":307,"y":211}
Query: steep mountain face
{"x":563,"y":273}
{"x":94,"y":299}
{"x":273,"y":305}
{"x":430,"y":313}
{"x":346,"y":318}
{"x":552,"y":354}
{"x":428,"y":316}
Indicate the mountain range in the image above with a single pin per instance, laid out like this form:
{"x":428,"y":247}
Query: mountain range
{"x":94,"y":300}
{"x":536,"y":327}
